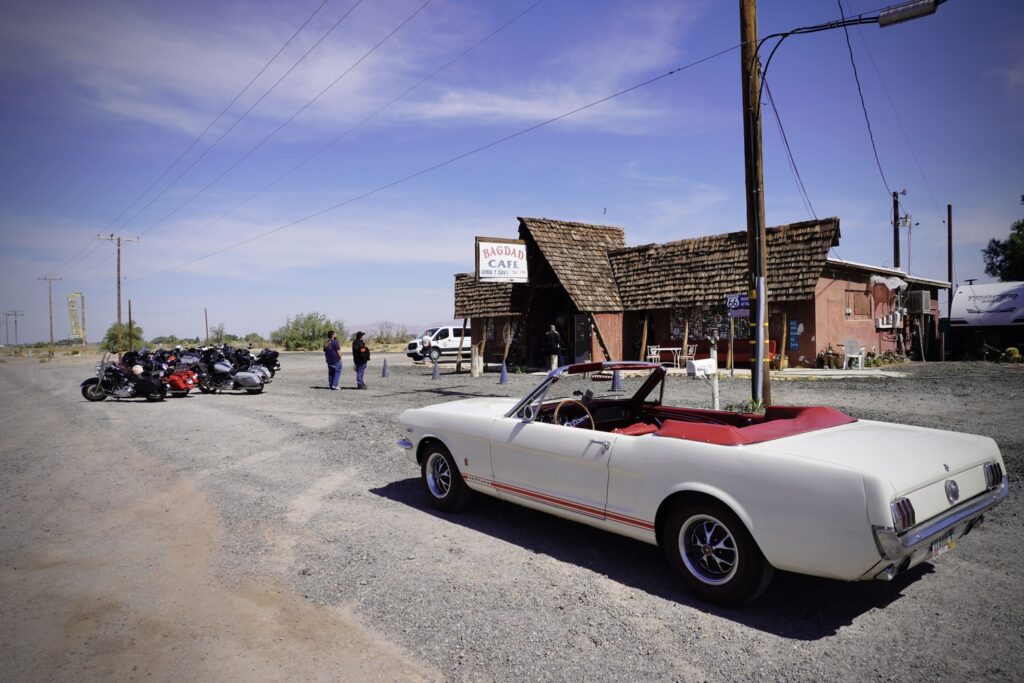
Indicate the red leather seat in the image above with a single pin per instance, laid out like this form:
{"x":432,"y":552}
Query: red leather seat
{"x":638,"y":429}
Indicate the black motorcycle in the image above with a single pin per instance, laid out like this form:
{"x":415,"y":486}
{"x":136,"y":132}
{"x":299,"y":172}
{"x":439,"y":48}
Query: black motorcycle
{"x":116,"y":382}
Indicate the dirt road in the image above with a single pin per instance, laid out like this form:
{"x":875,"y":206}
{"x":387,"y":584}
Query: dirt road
{"x":283,"y":536}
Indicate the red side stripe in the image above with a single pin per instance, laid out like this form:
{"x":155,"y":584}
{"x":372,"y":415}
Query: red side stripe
{"x":580,"y":508}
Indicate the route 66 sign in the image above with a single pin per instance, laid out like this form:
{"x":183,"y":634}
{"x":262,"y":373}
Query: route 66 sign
{"x":738,"y":305}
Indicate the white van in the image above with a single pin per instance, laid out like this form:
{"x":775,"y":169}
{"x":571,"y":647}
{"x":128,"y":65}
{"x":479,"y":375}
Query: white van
{"x":439,"y":342}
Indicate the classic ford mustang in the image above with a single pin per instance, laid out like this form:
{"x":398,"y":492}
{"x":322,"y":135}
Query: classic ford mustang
{"x":729,"y":496}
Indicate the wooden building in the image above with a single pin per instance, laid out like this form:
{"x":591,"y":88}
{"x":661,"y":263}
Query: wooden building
{"x":609,"y":300}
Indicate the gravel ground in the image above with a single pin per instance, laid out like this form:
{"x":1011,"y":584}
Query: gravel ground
{"x":306,"y":494}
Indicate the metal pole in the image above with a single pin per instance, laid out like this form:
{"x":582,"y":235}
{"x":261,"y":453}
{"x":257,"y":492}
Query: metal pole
{"x":7,"y":328}
{"x":16,"y":315}
{"x":714,"y":379}
{"x":83,"y":320}
{"x":131,"y":337}
{"x":206,"y":321}
{"x":754,"y":176}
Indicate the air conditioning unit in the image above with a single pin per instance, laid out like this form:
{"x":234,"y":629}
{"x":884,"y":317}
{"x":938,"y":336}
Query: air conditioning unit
{"x":919,"y":302}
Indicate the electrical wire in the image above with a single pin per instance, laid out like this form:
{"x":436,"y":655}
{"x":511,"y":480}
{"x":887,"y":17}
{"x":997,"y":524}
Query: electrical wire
{"x":903,"y":130}
{"x":291,"y":118}
{"x":221,"y":114}
{"x":442,"y":164}
{"x":860,"y":93}
{"x":240,"y":118}
{"x":345,"y":134}
{"x":801,"y":190}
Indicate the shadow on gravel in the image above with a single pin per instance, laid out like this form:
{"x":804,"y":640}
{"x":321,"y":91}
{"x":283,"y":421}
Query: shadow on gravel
{"x":794,"y":606}
{"x":441,"y":391}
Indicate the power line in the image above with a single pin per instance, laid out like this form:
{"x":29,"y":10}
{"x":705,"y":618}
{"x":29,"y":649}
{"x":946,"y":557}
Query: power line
{"x":801,"y":190}
{"x":220,"y":115}
{"x":366,"y":120}
{"x":239,"y":119}
{"x":860,"y":93}
{"x":906,"y":136}
{"x":289,"y":119}
{"x":447,"y":162}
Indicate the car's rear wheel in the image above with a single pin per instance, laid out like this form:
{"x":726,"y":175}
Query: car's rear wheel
{"x":442,"y":480}
{"x":434,"y":353}
{"x":711,"y":550}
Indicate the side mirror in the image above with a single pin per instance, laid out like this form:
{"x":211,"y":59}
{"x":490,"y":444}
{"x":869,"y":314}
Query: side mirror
{"x":529,"y":413}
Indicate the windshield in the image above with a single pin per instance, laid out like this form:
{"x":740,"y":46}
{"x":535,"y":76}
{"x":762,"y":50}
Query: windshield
{"x":636,"y":386}
{"x":430,"y":332}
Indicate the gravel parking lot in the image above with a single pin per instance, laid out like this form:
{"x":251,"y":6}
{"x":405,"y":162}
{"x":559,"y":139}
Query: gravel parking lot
{"x":283,"y":535}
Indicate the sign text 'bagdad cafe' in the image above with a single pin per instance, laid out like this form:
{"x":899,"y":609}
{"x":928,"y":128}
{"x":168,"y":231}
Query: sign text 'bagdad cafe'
{"x":501,"y":260}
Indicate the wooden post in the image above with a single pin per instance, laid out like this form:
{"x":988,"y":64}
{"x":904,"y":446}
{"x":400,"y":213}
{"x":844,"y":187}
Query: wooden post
{"x":643,"y":339}
{"x":732,"y":341}
{"x":782,"y":360}
{"x":686,"y":333}
{"x":462,"y":339}
{"x":483,"y":346}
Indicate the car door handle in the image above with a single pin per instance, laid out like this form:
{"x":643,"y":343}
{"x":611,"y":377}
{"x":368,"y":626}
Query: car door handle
{"x":605,"y":445}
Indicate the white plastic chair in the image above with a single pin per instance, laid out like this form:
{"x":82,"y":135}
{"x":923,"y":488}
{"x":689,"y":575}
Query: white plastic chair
{"x":852,"y":350}
{"x":654,"y":354}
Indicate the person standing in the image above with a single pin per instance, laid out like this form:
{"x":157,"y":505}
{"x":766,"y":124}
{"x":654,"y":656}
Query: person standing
{"x":552,"y":345}
{"x":332,"y":354}
{"x":360,"y":356}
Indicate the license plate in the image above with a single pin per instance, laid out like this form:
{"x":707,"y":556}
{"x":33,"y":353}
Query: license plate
{"x":943,"y":545}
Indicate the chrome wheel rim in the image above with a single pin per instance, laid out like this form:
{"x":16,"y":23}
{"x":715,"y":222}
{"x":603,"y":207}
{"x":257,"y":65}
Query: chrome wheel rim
{"x":708,"y":550}
{"x":439,"y":475}
{"x":95,"y":390}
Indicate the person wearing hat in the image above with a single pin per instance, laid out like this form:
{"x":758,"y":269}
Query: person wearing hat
{"x":360,"y":356}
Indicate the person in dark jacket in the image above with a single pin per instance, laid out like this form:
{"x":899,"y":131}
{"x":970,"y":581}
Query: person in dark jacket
{"x":552,"y":345}
{"x":360,"y":356}
{"x":332,"y":354}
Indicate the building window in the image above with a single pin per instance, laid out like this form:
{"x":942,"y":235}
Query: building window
{"x":858,"y":304}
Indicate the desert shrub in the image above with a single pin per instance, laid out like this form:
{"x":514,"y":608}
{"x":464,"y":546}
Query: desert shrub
{"x":306,"y":332}
{"x":391,"y":333}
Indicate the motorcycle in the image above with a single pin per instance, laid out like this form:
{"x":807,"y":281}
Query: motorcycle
{"x":220,"y":375}
{"x":268,"y":358}
{"x":179,"y":378}
{"x":116,"y":382}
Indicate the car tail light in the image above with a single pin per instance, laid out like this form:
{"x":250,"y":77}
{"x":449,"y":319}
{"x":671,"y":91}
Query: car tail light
{"x":903,"y":515}
{"x":993,"y":475}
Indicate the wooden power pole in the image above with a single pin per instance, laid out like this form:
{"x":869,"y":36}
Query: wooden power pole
{"x":754,"y":175}
{"x":49,"y":284}
{"x":118,"y":239}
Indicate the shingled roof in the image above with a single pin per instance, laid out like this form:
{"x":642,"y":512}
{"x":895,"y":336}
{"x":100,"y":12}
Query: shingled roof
{"x":475,"y":299}
{"x":578,"y":254}
{"x":703,"y":270}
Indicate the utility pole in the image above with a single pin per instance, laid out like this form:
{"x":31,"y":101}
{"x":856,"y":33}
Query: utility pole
{"x":16,"y":315}
{"x":754,"y":175}
{"x":206,"y":322}
{"x":131,"y":337}
{"x":896,"y":230}
{"x":949,"y":258}
{"x":49,"y":284}
{"x":118,"y":239}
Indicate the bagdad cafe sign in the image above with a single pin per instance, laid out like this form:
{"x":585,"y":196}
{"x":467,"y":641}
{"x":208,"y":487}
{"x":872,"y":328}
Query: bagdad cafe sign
{"x":500,"y":260}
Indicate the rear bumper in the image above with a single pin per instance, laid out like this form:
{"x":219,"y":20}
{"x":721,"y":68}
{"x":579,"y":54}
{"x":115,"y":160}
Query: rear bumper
{"x":902,"y":551}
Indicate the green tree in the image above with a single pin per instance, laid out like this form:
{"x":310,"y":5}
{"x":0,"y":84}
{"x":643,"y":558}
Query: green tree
{"x":128,"y":342}
{"x":306,"y":332}
{"x":254,"y":339}
{"x":167,"y":341}
{"x":1004,"y":259}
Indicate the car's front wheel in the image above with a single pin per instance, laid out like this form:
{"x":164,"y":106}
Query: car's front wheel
{"x":442,"y":481}
{"x":434,"y":353}
{"x":711,"y":550}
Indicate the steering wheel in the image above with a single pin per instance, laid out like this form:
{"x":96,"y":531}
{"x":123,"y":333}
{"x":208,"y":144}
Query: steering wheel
{"x":578,"y":421}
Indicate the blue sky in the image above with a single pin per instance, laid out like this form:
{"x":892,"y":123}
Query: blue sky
{"x":98,"y":98}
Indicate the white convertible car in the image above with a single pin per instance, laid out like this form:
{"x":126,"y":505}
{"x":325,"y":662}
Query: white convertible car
{"x":730,"y":497}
